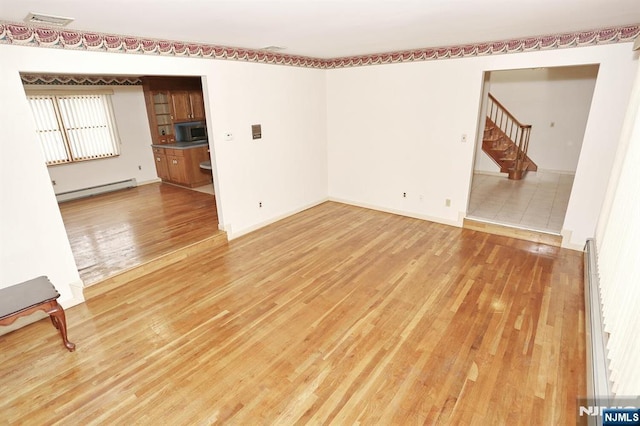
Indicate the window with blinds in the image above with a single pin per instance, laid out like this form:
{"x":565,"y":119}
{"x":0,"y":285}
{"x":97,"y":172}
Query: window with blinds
{"x":76,"y":127}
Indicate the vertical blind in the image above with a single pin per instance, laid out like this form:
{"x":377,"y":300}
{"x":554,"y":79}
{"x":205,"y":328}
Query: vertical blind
{"x":75,"y":127}
{"x":618,"y":240}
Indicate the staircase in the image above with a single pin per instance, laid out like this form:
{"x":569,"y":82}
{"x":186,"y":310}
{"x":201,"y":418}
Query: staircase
{"x":506,"y":141}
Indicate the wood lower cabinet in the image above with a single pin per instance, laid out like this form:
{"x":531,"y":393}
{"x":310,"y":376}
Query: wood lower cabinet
{"x":182,"y":166}
{"x":178,"y":167}
{"x":160,"y":159}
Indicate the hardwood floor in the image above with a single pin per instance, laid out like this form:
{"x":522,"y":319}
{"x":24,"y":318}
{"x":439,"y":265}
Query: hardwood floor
{"x":513,"y":232}
{"x":111,"y":233}
{"x":335,"y":315}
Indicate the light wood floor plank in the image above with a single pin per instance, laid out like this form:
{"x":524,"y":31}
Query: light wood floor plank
{"x":335,"y":315}
{"x":114,"y":232}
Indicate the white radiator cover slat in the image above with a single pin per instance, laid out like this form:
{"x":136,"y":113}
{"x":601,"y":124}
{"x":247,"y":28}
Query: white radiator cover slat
{"x":598,"y":384}
{"x":617,"y":256}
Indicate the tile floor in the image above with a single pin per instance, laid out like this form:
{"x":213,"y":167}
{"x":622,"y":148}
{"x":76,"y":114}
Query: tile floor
{"x":537,"y":202}
{"x":207,"y":189}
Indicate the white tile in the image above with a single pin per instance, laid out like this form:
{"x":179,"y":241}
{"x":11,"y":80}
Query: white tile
{"x":538,"y":201}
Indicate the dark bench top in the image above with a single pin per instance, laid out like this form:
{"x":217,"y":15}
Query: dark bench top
{"x":23,"y":296}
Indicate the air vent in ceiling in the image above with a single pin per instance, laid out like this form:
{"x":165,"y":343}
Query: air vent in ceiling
{"x":273,"y":48}
{"x":41,"y":18}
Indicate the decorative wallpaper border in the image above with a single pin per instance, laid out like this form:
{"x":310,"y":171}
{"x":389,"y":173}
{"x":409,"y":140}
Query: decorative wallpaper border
{"x":79,"y":80}
{"x":528,"y":44}
{"x":40,"y":36}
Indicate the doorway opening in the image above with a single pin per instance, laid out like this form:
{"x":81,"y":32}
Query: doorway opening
{"x":115,"y":231}
{"x":555,"y":102}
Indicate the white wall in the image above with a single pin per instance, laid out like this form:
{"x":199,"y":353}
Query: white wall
{"x":363,"y":135}
{"x":33,"y":240}
{"x":286,"y":170}
{"x":541,"y":96}
{"x":135,"y":145}
{"x":397,"y":128}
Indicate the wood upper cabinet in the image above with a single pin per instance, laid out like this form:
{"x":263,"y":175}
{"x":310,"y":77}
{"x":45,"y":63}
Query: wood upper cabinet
{"x":197,"y":105}
{"x":180,"y":105}
{"x":171,"y":100}
{"x":187,"y":105}
{"x":158,"y":104}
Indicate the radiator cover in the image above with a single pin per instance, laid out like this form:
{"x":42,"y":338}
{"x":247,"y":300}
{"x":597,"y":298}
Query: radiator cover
{"x":95,"y":190}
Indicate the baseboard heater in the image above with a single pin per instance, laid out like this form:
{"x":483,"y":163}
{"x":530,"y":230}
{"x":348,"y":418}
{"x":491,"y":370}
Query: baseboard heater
{"x":95,"y":190}
{"x":598,"y":385}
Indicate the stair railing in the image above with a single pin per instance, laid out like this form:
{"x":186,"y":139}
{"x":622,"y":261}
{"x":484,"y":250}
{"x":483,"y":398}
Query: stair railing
{"x":518,"y":133}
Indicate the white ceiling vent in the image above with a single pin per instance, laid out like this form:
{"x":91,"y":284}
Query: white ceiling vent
{"x":41,"y":18}
{"x":273,"y":48}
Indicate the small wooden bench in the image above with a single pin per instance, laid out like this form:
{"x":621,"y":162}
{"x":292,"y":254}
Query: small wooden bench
{"x":30,"y":296}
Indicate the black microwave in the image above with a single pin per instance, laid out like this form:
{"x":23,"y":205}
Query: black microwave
{"x":194,"y":132}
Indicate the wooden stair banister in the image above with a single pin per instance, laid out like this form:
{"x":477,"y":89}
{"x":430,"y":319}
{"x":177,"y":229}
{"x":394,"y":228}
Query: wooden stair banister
{"x":506,"y":140}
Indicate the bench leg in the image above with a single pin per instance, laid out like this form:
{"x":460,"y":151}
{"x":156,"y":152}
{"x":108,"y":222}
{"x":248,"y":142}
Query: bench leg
{"x":60,"y":322}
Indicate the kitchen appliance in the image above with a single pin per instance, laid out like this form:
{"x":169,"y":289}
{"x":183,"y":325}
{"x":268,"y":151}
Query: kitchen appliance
{"x":191,"y":132}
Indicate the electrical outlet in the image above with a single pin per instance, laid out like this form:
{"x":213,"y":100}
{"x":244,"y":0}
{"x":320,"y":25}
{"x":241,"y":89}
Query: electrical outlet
{"x":464,"y":138}
{"x":53,"y":182}
{"x":139,"y":167}
{"x":447,"y":202}
{"x":260,"y":204}
{"x":404,"y":195}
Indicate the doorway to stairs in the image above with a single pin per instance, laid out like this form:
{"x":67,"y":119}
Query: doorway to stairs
{"x":555,"y":102}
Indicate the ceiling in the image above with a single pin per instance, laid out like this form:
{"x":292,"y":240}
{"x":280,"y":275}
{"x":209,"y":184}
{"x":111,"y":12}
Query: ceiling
{"x":333,"y":28}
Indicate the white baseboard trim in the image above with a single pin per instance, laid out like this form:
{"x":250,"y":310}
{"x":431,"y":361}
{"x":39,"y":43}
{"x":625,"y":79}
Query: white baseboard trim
{"x":77,"y":292}
{"x":488,"y":173}
{"x":231,"y":234}
{"x":24,"y":321}
{"x":147,"y":182}
{"x":457,"y":223}
{"x":558,"y":172}
{"x":493,"y":173}
{"x":566,"y":241}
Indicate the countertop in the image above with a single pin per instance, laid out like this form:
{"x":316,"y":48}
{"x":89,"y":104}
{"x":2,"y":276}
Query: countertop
{"x":181,"y":145}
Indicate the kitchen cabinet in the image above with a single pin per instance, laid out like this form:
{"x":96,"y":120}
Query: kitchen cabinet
{"x":160,"y":118}
{"x":197,"y":105}
{"x":187,"y":105}
{"x":160,"y":159}
{"x":178,"y":166}
{"x":171,"y":100}
{"x":182,"y":166}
